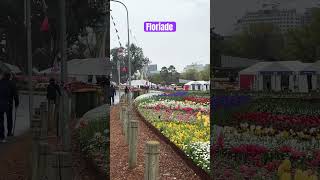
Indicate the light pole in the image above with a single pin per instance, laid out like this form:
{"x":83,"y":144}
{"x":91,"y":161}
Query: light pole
{"x":29,"y":52}
{"x":129,"y":60}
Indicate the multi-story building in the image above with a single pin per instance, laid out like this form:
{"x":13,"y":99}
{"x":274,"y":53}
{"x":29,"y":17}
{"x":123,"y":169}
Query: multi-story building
{"x":152,"y":69}
{"x":198,"y":67}
{"x":285,"y":20}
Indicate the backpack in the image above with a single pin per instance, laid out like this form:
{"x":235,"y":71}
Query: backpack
{"x":51,"y":92}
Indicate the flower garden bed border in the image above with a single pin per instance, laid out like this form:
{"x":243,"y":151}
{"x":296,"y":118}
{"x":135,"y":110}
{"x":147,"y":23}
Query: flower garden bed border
{"x":202,"y":174}
{"x":100,"y":174}
{"x":90,"y":163}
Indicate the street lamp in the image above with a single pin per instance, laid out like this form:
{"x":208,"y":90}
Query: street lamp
{"x":129,"y":62}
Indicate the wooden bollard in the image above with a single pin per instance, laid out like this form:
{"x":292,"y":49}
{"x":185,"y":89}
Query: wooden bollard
{"x":133,"y":136}
{"x":151,"y":171}
{"x":44,"y":119}
{"x":120,"y":112}
{"x":128,"y":128}
{"x":35,"y":152}
{"x":43,"y":160}
{"x":61,"y":164}
{"x":123,"y":109}
{"x":125,"y":124}
{"x":35,"y":122}
{"x":51,"y":115}
{"x":66,"y":130}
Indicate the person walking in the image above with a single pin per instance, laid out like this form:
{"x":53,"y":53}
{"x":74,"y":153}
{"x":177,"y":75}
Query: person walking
{"x":13,"y":98}
{"x":52,"y":90}
{"x":113,"y":93}
{"x":107,"y":90}
{"x":7,"y":91}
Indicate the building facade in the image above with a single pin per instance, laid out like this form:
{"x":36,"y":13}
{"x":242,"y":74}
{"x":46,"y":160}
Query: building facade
{"x":284,"y":19}
{"x":152,"y":69}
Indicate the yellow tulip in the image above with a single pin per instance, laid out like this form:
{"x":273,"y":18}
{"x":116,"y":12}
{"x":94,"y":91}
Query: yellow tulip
{"x":285,"y":176}
{"x":284,"y":167}
{"x":313,"y":177}
{"x":299,"y":175}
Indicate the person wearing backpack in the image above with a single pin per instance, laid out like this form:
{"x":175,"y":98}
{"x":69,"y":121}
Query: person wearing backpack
{"x":52,"y":90}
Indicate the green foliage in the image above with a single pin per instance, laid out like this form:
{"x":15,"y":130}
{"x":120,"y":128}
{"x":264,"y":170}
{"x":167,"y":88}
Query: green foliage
{"x":156,"y":78}
{"x":169,"y":75}
{"x":259,"y":41}
{"x":264,"y":41}
{"x":137,"y":58}
{"x":303,"y":43}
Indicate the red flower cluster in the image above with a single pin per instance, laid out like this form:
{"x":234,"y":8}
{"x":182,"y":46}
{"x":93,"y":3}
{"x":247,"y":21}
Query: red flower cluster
{"x":290,"y":150}
{"x":197,"y":99}
{"x":315,"y":162}
{"x":248,"y":171}
{"x":272,"y":166}
{"x":249,"y":149}
{"x":279,"y":121}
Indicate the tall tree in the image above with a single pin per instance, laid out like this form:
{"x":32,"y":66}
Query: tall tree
{"x":260,"y":41}
{"x":164,"y":74}
{"x":304,"y":43}
{"x":138,"y":59}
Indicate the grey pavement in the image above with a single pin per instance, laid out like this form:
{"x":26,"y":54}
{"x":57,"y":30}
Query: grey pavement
{"x":22,"y":121}
{"x":117,"y":97}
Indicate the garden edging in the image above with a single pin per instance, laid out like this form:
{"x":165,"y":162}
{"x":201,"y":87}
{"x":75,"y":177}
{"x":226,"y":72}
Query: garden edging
{"x":202,"y":174}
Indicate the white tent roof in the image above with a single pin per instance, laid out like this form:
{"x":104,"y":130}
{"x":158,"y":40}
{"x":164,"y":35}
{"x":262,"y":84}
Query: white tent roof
{"x":203,"y":82}
{"x":138,"y":83}
{"x":92,"y":66}
{"x":312,"y":67}
{"x":292,"y":66}
{"x":197,"y":82}
{"x":255,"y":68}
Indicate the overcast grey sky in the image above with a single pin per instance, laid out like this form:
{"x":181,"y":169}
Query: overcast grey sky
{"x":189,"y":44}
{"x":226,"y":12}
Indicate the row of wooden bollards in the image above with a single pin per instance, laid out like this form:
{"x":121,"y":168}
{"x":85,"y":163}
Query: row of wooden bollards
{"x":130,"y":130}
{"x":46,"y":165}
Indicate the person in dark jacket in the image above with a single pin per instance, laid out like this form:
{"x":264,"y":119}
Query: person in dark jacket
{"x":52,"y":91}
{"x":13,"y":98}
{"x":113,"y":93}
{"x":107,"y":90}
{"x":8,"y":93}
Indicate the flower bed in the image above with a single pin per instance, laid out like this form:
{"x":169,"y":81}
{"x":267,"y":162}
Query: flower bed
{"x":94,"y":143}
{"x":257,"y":134}
{"x":184,"y":122}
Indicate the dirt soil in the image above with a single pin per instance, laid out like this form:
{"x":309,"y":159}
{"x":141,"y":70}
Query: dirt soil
{"x":172,"y":167}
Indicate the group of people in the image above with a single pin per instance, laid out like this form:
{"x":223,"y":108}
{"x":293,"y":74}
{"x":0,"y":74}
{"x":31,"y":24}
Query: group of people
{"x":8,"y":98}
{"x":110,"y":91}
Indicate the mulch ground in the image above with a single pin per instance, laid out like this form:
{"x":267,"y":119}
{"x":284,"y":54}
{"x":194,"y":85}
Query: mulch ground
{"x":172,"y":167}
{"x":14,"y":158}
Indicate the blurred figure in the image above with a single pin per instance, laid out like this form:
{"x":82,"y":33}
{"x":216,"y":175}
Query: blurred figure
{"x":107,"y":90}
{"x":52,"y":91}
{"x":13,"y":98}
{"x":8,"y":92}
{"x":112,"y":93}
{"x":126,"y":90}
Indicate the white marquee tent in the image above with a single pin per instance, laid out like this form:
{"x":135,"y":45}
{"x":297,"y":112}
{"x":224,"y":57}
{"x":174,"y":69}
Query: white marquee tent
{"x":197,"y":86}
{"x":281,"y":75}
{"x":81,"y":69}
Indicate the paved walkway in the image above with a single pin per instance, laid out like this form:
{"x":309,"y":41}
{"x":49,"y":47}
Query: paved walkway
{"x":23,"y":122}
